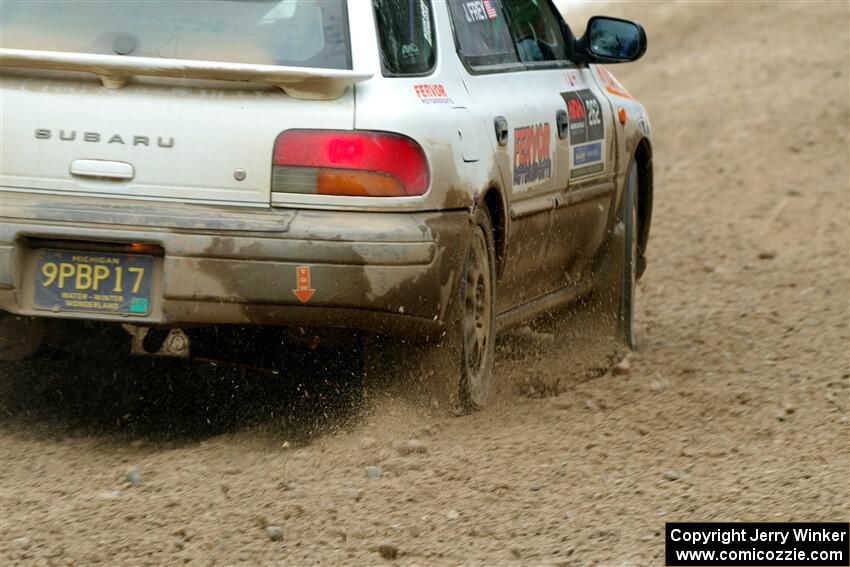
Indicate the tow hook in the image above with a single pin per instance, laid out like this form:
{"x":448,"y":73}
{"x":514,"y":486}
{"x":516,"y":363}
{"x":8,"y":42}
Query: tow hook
{"x":157,"y":342}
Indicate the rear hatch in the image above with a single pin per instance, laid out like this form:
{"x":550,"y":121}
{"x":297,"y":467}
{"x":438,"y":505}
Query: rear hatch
{"x":166,"y":100}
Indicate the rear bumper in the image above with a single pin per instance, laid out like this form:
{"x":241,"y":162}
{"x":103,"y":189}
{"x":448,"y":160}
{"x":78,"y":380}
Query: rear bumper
{"x":390,"y":272}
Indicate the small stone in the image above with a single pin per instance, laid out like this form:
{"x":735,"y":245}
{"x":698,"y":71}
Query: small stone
{"x":373,"y":472}
{"x":388,"y":551}
{"x":591,"y":405}
{"x":412,"y":446}
{"x":338,"y":534}
{"x":453,"y":515}
{"x":399,"y":465}
{"x":22,"y":542}
{"x":133,"y":477}
{"x":767,"y":255}
{"x":109,"y":495}
{"x":671,"y":475}
{"x":623,"y":368}
{"x":275,"y":533}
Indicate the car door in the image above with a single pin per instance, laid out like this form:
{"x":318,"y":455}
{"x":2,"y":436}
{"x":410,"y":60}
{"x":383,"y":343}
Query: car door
{"x":521,"y":133}
{"x":586,"y":154}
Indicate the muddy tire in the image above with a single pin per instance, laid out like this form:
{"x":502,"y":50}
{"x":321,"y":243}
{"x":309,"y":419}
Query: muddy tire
{"x":477,"y":300}
{"x":629,"y":273}
{"x":616,"y":288}
{"x":614,"y":295}
{"x":453,"y":373}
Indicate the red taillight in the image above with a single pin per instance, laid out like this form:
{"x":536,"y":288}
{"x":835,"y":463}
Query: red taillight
{"x":338,"y":162}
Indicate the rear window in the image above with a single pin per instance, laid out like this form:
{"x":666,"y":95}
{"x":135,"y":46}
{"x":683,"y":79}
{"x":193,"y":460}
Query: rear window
{"x":296,"y":33}
{"x":406,"y":30}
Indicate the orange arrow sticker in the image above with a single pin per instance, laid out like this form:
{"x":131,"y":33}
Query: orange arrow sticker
{"x":303,"y":291}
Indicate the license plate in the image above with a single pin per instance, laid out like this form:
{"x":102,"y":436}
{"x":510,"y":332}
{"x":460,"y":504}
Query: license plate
{"x":93,"y":282}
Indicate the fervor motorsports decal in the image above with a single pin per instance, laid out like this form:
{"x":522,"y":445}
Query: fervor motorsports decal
{"x":587,"y":133}
{"x":532,"y":154}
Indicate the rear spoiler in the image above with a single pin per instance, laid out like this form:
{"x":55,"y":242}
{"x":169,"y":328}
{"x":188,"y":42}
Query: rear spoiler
{"x":115,"y":70}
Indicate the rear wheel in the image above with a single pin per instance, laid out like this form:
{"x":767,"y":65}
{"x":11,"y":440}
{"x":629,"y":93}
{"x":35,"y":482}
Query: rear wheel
{"x":453,"y":373}
{"x":477,"y":295}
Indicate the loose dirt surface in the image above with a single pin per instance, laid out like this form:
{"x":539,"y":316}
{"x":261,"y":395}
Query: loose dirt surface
{"x":735,"y":405}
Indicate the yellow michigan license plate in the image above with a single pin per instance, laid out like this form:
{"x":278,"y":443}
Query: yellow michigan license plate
{"x":93,"y":281}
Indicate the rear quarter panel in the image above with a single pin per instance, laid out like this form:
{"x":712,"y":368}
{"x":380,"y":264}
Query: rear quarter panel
{"x":437,"y":112}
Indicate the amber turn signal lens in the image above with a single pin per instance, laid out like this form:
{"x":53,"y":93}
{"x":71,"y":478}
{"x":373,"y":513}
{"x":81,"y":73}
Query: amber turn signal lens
{"x":357,"y":184}
{"x":621,"y":112}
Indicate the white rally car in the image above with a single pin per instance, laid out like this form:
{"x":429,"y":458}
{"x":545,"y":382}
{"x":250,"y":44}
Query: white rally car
{"x":437,"y":169}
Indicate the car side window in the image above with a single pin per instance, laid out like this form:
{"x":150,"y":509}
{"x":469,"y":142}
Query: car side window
{"x":536,"y":30}
{"x":481,"y":31}
{"x":406,"y":32}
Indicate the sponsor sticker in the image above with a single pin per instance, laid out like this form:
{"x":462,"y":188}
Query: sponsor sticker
{"x":432,"y":94}
{"x":586,"y":126}
{"x":532,"y":154}
{"x":587,"y":153}
{"x":425,"y":10}
{"x":479,"y":11}
{"x":409,"y":50}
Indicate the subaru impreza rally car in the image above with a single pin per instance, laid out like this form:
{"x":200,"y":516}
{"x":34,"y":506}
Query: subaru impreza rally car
{"x":436,"y":169}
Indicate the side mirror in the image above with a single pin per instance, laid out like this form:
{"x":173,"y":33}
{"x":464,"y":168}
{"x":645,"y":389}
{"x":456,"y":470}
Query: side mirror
{"x":611,"y":40}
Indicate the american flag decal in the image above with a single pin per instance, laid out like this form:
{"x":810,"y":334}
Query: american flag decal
{"x":491,"y":11}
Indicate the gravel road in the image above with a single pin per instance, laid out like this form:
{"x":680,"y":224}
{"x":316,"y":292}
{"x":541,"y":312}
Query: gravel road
{"x":734,"y":406}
